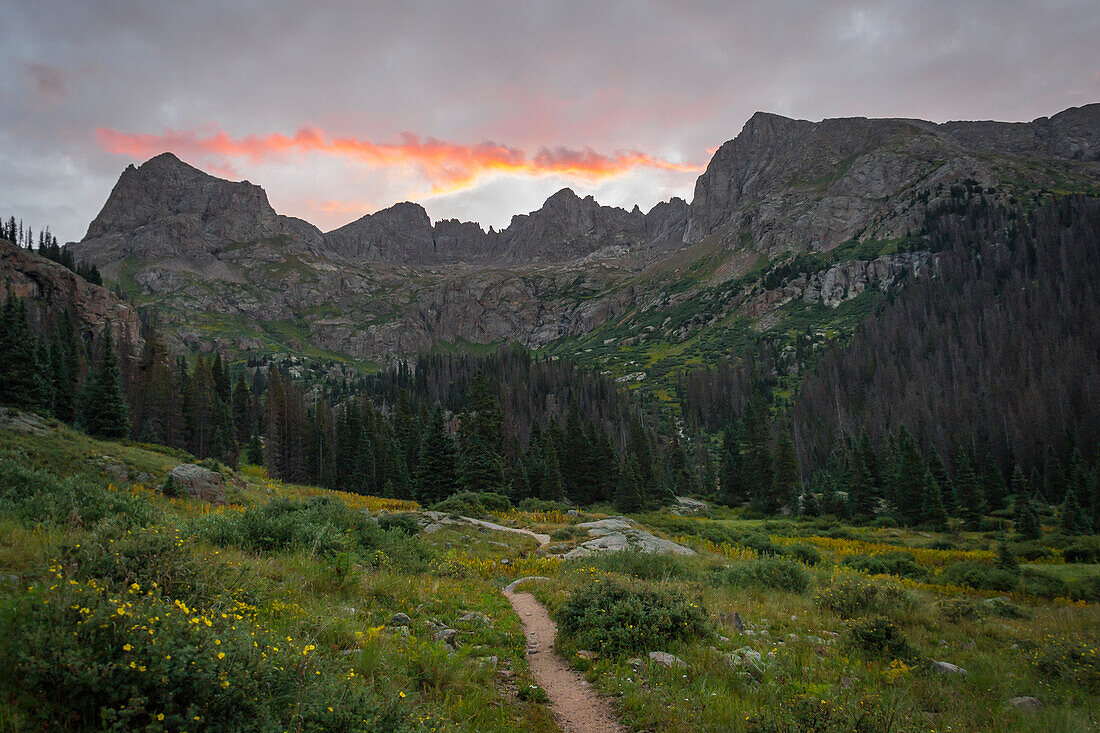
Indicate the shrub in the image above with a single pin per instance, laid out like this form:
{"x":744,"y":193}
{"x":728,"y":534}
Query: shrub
{"x":767,"y":573}
{"x":38,"y":497}
{"x":647,"y":566}
{"x":959,"y":609}
{"x":1032,"y":551}
{"x":850,"y":595}
{"x":321,"y":525}
{"x":614,"y":618}
{"x":564,"y":533}
{"x":405,"y":523}
{"x":1086,"y":550}
{"x":79,"y":657}
{"x":760,"y":543}
{"x":531,"y":504}
{"x":1043,"y":585}
{"x":118,"y":558}
{"x":979,"y":575}
{"x":1085,"y":589}
{"x":807,"y":554}
{"x":1003,"y":608}
{"x":1072,"y":660}
{"x":882,"y":638}
{"x":902,"y":564}
{"x":474,"y":503}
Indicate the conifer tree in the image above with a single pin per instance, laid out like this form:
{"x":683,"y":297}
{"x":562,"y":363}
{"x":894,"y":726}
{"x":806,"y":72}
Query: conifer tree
{"x":787,"y":481}
{"x":481,"y":440}
{"x":23,"y":384}
{"x":1025,"y":518}
{"x":436,"y":476}
{"x":629,"y":495}
{"x":968,"y":493}
{"x":1074,"y":520}
{"x":105,"y":413}
{"x":731,"y":486}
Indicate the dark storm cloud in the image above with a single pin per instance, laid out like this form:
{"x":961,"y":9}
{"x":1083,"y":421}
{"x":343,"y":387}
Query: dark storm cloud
{"x":668,"y":80}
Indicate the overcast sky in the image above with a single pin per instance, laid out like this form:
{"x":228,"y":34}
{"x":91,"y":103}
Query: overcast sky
{"x":482,"y":110}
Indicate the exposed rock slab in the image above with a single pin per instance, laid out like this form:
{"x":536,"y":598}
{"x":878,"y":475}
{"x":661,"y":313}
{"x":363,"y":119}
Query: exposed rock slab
{"x":617,"y":534}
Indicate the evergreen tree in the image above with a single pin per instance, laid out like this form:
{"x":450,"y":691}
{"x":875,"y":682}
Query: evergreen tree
{"x":1074,"y":520}
{"x":1025,"y":518}
{"x":630,"y":494}
{"x":23,"y":384}
{"x":105,"y":413}
{"x":787,"y":481}
{"x":436,"y":476}
{"x":758,"y":464}
{"x":242,"y":410}
{"x":481,"y":441}
{"x":971,"y":506}
{"x":731,"y":487}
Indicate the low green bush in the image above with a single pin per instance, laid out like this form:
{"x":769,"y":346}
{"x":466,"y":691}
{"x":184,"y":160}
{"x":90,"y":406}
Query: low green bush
{"x":36,"y":497}
{"x":881,"y":638}
{"x":530,"y":504}
{"x":82,"y":657}
{"x":850,"y":595}
{"x":902,"y":564}
{"x":564,"y":533}
{"x":766,"y":573}
{"x":959,"y":609}
{"x":979,"y":575}
{"x":473,"y":503}
{"x":759,"y":542}
{"x":405,"y":523}
{"x":1004,"y":608}
{"x":644,"y":565}
{"x":1085,"y":550}
{"x":614,"y":618}
{"x":1031,"y":551}
{"x":320,"y":526}
{"x":1037,"y":583}
{"x":1071,"y":660}
{"x":807,"y":554}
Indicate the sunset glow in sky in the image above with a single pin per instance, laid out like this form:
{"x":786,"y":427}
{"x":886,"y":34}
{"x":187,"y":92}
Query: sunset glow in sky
{"x":481,"y":110}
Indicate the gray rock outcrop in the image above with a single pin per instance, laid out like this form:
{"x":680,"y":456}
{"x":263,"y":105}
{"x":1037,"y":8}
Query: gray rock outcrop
{"x":616,"y":534}
{"x":196,"y":482}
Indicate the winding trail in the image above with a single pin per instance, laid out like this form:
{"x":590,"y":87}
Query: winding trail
{"x":577,"y":706}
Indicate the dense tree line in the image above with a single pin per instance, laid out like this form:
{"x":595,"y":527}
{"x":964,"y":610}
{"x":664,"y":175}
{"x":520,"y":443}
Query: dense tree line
{"x":507,"y":424}
{"x":990,"y":365}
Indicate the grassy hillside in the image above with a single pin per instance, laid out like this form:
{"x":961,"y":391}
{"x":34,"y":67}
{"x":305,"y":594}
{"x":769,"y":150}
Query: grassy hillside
{"x":125,"y":609}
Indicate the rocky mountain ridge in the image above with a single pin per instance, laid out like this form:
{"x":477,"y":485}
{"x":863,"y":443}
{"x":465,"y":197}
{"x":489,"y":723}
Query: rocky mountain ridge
{"x":226,"y":270}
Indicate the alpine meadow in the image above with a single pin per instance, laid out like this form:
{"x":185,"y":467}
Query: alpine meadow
{"x":809,"y":445}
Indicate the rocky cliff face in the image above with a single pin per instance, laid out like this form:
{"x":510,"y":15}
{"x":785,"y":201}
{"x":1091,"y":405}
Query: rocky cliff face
{"x":225,"y":269}
{"x":166,"y":208}
{"x":786,"y":184}
{"x":55,"y":291}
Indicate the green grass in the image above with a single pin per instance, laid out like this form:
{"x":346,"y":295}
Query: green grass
{"x":332,"y":594}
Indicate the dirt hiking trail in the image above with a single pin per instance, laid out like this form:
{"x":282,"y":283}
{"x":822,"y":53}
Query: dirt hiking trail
{"x":576,"y":705}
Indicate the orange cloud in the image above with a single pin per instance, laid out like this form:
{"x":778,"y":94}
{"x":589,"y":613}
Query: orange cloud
{"x":449,"y":166}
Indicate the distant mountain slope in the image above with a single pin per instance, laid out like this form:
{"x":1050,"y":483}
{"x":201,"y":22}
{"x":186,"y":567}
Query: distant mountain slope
{"x":794,"y":224}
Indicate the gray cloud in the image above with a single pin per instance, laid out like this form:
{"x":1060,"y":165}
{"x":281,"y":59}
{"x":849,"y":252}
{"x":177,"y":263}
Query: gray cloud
{"x":672,"y":79}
